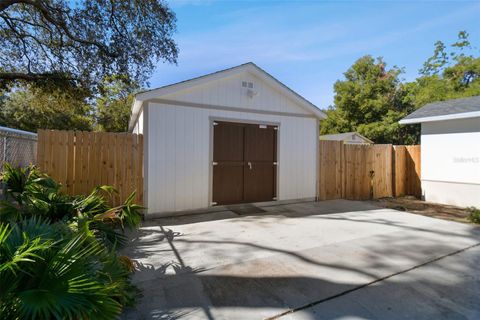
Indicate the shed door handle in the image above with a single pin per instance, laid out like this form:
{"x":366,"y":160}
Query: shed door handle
{"x":249,"y":165}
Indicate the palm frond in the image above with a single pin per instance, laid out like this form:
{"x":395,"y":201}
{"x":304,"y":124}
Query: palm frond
{"x":58,"y":252}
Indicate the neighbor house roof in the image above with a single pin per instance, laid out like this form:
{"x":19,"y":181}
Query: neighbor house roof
{"x":346,"y":136}
{"x":445,"y":110}
{"x":249,"y":67}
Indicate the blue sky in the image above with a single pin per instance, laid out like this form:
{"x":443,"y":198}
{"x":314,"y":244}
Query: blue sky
{"x":309,"y":44}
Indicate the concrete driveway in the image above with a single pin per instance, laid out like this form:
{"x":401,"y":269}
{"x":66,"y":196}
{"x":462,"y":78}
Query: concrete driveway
{"x":313,"y":260}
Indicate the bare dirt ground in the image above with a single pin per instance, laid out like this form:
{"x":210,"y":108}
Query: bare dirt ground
{"x":424,"y":208}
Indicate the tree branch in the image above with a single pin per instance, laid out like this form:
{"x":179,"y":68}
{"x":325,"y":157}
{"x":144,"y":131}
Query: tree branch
{"x":47,"y":14}
{"x":4,"y":4}
{"x":10,"y":76}
{"x":6,"y":16}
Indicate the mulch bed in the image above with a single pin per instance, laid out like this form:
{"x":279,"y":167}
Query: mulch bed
{"x":429,"y":209}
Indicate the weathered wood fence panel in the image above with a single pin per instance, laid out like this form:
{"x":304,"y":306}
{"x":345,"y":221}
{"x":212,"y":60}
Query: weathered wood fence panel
{"x":81,"y":161}
{"x":356,"y":167}
{"x":407,"y":171}
{"x":360,"y":172}
{"x":330,"y":175}
{"x":414,"y":185}
{"x":382,"y":167}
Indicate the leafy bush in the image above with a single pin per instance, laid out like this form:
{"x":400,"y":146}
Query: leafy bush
{"x":474,"y":215}
{"x":58,"y":253}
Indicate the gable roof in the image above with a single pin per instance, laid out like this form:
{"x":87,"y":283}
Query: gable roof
{"x":346,"y":136}
{"x":445,"y":110}
{"x":249,"y":67}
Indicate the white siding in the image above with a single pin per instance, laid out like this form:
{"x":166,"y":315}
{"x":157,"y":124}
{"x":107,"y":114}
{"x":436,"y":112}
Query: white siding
{"x":229,"y":92}
{"x":451,"y":161}
{"x":457,"y":194}
{"x":179,"y":154}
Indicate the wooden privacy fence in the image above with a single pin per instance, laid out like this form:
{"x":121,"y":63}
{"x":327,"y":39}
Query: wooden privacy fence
{"x":407,"y":171}
{"x":360,"y":172}
{"x":80,"y":161}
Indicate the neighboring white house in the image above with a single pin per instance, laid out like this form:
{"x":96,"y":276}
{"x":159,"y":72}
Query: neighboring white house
{"x":234,"y":136}
{"x":347,"y":138}
{"x":450,"y":153}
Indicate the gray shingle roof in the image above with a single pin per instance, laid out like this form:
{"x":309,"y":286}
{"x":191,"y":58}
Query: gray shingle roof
{"x":445,"y":108}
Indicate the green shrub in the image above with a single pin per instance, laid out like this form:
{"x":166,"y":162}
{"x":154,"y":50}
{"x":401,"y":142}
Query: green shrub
{"x":58,"y":253}
{"x":474,"y":215}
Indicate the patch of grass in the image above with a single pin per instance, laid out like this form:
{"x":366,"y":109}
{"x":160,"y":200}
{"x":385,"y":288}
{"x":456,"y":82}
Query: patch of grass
{"x":474,"y":215}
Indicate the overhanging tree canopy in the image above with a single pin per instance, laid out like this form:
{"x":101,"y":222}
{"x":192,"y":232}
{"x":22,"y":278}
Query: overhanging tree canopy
{"x":84,"y":42}
{"x":370,"y":100}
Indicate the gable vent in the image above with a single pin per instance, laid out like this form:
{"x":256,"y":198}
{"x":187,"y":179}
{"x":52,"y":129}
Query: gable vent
{"x":246,"y":84}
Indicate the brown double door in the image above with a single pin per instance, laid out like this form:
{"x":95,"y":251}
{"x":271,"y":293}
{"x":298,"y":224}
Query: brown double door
{"x":244,"y":162}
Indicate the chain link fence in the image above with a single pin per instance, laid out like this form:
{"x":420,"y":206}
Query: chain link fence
{"x":18,"y":148}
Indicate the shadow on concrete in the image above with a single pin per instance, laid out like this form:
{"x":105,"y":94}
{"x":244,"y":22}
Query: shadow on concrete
{"x":422,"y":298}
{"x":291,"y":210}
{"x":179,"y":291}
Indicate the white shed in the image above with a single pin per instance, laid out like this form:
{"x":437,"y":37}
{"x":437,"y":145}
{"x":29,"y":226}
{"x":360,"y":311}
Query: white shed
{"x":233,"y":136}
{"x":450,"y":153}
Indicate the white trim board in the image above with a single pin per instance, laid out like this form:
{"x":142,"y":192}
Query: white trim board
{"x":166,"y":102}
{"x":250,"y":67}
{"x":463,"y":115}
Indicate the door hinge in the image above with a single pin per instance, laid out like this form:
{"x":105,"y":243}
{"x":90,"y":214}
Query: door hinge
{"x":274,"y":198}
{"x":213,"y":203}
{"x":275,"y":163}
{"x":214,"y":163}
{"x":275,"y":128}
{"x":215,"y":123}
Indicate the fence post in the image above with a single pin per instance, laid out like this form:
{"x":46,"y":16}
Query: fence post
{"x":4,"y":150}
{"x":4,"y":187}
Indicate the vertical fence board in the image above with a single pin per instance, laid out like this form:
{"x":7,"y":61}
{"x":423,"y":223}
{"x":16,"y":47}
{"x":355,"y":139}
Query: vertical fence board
{"x":103,"y":159}
{"x":399,"y":171}
{"x":140,"y":169}
{"x":62,"y":157}
{"x":134,"y":163}
{"x":414,"y":174}
{"x":78,"y":162}
{"x":407,"y":171}
{"x":129,"y":185}
{"x":41,"y":148}
{"x":330,"y":171}
{"x":119,"y":165}
{"x":95,"y":159}
{"x":70,"y":183}
{"x":48,"y":151}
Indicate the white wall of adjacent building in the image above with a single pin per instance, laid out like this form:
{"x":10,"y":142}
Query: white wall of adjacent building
{"x":451,"y":161}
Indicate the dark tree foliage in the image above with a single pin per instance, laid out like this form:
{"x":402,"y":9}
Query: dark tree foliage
{"x":55,"y":41}
{"x":372,"y":99}
{"x":31,"y":108}
{"x":452,"y":72}
{"x":114,"y":103}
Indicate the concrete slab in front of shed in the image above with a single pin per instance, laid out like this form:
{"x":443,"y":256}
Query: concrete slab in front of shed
{"x":444,"y":290}
{"x":254,"y":267}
